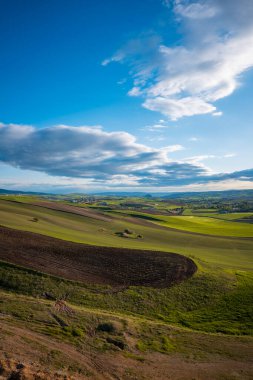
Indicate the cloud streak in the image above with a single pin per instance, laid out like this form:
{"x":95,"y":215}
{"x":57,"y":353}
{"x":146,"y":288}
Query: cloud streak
{"x":215,"y":49}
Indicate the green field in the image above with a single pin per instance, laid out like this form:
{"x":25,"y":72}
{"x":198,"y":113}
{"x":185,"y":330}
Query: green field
{"x":213,"y":224}
{"x":209,"y":226}
{"x":210,"y":301}
{"x":229,"y":252}
{"x":214,"y":214}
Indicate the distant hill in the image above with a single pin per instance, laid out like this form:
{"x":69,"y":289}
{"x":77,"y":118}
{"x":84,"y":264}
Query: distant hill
{"x":227,"y":194}
{"x":5,"y":191}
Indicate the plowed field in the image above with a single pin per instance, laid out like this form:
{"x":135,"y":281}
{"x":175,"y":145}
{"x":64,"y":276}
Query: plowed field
{"x":93,"y":264}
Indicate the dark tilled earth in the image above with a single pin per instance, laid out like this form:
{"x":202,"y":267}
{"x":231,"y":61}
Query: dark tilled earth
{"x":93,"y":264}
{"x":245,"y":220}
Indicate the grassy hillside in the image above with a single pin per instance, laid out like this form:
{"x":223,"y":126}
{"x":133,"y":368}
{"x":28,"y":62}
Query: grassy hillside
{"x":208,"y":224}
{"x":229,"y":252}
{"x":210,"y":301}
{"x":214,"y":214}
{"x":207,"y":318}
{"x":86,"y":343}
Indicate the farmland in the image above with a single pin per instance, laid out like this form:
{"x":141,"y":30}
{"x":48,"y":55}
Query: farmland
{"x":92,"y":264}
{"x":209,"y":225}
{"x":140,"y":284}
{"x":232,"y":252}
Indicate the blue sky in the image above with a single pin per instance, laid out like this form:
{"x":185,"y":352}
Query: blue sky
{"x":151,"y":95}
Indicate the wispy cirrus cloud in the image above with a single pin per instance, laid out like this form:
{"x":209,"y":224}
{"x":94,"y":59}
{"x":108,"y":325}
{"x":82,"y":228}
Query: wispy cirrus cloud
{"x":157,"y":127}
{"x":215,"y":49}
{"x":103,"y":158}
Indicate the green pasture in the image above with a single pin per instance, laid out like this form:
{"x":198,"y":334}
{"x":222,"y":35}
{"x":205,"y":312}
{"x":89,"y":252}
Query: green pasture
{"x":209,"y":226}
{"x":212,"y":301}
{"x":20,"y":198}
{"x":234,"y":215}
{"x":214,"y":214}
{"x":201,"y":224}
{"x":223,"y":251}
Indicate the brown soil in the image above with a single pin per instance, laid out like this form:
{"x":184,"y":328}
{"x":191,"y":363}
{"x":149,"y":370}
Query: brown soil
{"x":93,"y":264}
{"x":36,"y":354}
{"x":74,"y":210}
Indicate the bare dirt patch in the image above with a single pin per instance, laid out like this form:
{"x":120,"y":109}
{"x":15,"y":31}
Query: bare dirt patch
{"x":93,"y":264}
{"x":74,"y":210}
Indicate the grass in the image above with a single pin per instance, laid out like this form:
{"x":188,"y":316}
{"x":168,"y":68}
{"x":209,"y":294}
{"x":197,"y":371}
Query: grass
{"x":21,"y":198}
{"x":213,"y":214}
{"x":208,"y":318}
{"x":210,"y":301}
{"x":83,"y":333}
{"x":209,"y":226}
{"x":227,"y":252}
{"x":216,"y":224}
{"x":217,"y":299}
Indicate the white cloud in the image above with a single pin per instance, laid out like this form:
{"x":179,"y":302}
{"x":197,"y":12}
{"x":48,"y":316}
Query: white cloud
{"x":195,"y":10}
{"x":219,"y":113}
{"x":155,"y":127}
{"x":96,"y":158}
{"x":216,"y":186}
{"x":177,"y":108}
{"x":80,"y":152}
{"x":158,"y":127}
{"x":200,"y":158}
{"x":194,"y":139}
{"x":135,"y":91}
{"x":173,"y":148}
{"x":116,"y":58}
{"x":216,"y":49}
